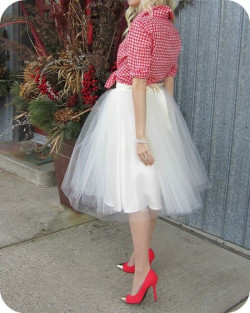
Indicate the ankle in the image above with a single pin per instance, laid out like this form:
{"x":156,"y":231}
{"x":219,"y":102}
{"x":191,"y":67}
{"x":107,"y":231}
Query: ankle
{"x":141,"y":270}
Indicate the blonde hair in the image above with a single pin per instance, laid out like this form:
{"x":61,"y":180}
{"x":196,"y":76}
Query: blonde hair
{"x":131,"y":12}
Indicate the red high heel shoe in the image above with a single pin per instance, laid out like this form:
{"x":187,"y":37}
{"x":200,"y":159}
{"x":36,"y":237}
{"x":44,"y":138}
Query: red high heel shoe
{"x":131,"y":269}
{"x":150,"y":280}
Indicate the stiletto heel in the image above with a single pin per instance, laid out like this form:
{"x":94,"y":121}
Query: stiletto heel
{"x":155,"y":294}
{"x":131,"y":269}
{"x":150,"y":280}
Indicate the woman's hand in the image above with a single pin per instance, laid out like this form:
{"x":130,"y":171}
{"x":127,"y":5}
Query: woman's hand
{"x":144,"y":154}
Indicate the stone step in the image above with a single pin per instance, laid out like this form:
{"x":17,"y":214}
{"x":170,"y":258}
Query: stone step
{"x":41,"y":175}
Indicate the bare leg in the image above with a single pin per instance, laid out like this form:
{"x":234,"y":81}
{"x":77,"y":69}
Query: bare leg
{"x":151,"y":231}
{"x":140,"y":233}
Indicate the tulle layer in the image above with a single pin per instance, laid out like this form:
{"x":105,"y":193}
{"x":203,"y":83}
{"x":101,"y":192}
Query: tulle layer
{"x":105,"y":177}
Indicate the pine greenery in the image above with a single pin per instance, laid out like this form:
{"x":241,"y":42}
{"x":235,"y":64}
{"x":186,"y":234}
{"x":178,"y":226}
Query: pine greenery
{"x":17,"y":101}
{"x":4,"y":88}
{"x":41,"y":112}
{"x":72,"y":129}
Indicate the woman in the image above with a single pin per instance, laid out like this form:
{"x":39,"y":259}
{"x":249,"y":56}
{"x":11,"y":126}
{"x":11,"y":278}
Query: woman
{"x":135,"y":156}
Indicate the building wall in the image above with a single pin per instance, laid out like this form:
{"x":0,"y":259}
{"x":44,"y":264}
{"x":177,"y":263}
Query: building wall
{"x":212,"y":90}
{"x":7,"y":113}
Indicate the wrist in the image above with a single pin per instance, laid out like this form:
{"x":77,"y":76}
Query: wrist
{"x":143,"y":140}
{"x":141,"y":136}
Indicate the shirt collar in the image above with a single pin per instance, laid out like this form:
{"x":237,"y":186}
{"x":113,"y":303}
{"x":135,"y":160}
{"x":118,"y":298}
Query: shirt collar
{"x":160,"y":11}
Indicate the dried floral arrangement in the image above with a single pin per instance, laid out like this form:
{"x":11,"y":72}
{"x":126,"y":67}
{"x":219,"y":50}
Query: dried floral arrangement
{"x":65,"y":75}
{"x":74,"y":52}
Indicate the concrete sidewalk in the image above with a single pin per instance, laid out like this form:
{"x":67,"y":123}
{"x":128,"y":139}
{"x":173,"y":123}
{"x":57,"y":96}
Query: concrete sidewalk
{"x":54,"y":260}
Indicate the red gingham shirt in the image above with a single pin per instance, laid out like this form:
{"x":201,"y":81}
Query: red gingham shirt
{"x":150,"y":49}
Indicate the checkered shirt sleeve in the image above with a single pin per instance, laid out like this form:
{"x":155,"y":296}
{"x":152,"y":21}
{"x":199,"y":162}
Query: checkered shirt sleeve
{"x":139,"y":50}
{"x":173,"y":71}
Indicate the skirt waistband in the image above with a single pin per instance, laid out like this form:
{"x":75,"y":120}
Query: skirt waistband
{"x":150,"y":86}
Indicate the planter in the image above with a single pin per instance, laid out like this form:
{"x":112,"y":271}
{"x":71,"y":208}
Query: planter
{"x":61,"y":164}
{"x":39,"y":131}
{"x":40,"y":136}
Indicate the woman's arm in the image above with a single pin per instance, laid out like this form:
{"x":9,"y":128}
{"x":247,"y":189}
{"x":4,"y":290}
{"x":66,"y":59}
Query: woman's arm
{"x":139,"y":100}
{"x":169,"y":85}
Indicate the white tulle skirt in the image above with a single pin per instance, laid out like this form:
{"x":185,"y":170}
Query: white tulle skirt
{"x":105,"y":177}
